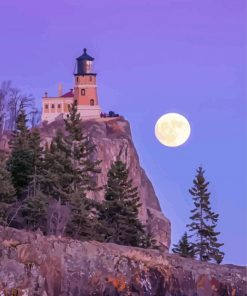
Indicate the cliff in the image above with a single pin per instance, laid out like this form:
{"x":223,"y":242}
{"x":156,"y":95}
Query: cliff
{"x":112,"y":138}
{"x":34,"y":265}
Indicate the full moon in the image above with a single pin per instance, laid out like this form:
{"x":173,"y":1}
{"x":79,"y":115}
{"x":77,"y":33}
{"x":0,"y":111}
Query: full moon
{"x":172,"y":129}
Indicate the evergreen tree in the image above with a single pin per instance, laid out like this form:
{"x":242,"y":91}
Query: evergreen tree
{"x":83,"y":220}
{"x":24,"y":164}
{"x":36,"y":147}
{"x":148,"y":240}
{"x":121,"y":207}
{"x":7,"y":193}
{"x":33,"y":211}
{"x":35,"y":204}
{"x":58,"y":171}
{"x":82,"y":152}
{"x":20,"y":136}
{"x":20,"y":163}
{"x":204,"y":221}
{"x":84,"y":210}
{"x":73,"y":123}
{"x":184,"y":248}
{"x":37,"y":160}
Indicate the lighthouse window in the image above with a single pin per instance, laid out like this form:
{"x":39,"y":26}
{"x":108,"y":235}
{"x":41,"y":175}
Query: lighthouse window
{"x":90,"y":78}
{"x":77,"y":79}
{"x":52,"y":106}
{"x":83,"y":92}
{"x":46,"y":106}
{"x":92,"y":102}
{"x":59,"y":106}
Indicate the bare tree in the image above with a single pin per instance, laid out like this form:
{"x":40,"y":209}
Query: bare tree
{"x":4,"y":92}
{"x":58,"y":218}
{"x":35,"y":117}
{"x":17,"y":101}
{"x":11,"y":101}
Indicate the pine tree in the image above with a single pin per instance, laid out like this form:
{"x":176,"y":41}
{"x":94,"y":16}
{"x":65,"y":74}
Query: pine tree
{"x":36,"y":147}
{"x":33,"y":211}
{"x":73,"y":123}
{"x":84,"y":211}
{"x":204,"y":221}
{"x":82,"y":222}
{"x":7,"y":193}
{"x":20,"y":136}
{"x":20,"y":163}
{"x":148,"y":240}
{"x":35,"y":204}
{"x":121,"y":207}
{"x":82,"y":152}
{"x":58,"y":171}
{"x":25,"y":164}
{"x":184,"y":248}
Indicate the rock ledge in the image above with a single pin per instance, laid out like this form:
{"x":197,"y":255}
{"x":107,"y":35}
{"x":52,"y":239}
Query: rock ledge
{"x":31,"y":264}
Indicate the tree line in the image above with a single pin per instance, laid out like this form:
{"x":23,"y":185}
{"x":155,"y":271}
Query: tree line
{"x":46,"y":187}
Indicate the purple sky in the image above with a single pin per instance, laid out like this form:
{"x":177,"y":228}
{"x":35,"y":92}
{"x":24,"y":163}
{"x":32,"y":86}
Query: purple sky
{"x":152,"y":57}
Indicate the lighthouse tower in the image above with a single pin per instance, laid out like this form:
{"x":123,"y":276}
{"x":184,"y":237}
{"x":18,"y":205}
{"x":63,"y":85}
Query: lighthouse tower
{"x":85,"y":89}
{"x":84,"y":94}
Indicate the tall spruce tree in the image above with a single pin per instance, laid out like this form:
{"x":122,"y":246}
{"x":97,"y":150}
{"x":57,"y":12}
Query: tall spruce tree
{"x":82,"y":151}
{"x":20,"y":163}
{"x":82,"y":220}
{"x":35,"y":204}
{"x":85,"y":170}
{"x":204,"y":221}
{"x":184,"y":248}
{"x":121,"y":207}
{"x":58,"y":171}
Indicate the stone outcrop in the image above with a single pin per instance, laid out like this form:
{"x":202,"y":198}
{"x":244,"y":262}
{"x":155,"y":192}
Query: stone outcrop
{"x":112,"y":138}
{"x":34,"y":265}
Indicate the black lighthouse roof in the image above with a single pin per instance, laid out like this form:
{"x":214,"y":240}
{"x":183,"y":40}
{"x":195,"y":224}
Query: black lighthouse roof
{"x":85,"y":56}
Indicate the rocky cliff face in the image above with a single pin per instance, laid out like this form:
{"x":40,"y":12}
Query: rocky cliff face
{"x":34,"y":265}
{"x":112,"y":138}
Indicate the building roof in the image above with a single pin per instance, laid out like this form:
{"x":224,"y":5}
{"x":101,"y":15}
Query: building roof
{"x":69,"y":94}
{"x":85,"y":56}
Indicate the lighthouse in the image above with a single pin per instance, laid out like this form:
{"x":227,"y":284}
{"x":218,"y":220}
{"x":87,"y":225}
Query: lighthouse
{"x":85,"y":89}
{"x":83,"y":94}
